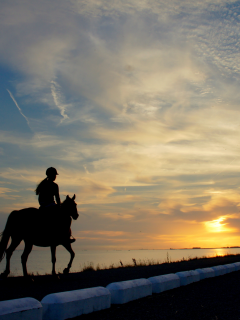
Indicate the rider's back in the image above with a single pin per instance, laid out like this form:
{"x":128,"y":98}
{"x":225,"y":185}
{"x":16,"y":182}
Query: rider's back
{"x":48,"y":190}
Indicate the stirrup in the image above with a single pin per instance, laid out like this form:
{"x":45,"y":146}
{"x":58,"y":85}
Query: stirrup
{"x":72,"y":240}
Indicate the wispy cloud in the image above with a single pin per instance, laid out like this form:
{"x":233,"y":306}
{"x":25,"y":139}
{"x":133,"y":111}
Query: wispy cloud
{"x":4,"y":190}
{"x":58,"y":99}
{"x":11,"y":95}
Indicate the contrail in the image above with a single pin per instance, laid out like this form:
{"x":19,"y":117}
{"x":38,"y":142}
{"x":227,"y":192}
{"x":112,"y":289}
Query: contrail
{"x":22,"y":114}
{"x":18,"y":107}
{"x":57,"y":98}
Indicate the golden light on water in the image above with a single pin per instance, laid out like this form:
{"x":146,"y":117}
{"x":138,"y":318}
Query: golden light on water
{"x":220,"y":252}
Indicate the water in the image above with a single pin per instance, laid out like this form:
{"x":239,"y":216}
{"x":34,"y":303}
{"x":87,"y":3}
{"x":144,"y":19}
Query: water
{"x":39,"y":261}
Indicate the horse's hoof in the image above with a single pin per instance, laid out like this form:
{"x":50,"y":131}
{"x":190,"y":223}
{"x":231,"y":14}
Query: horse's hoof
{"x":66,"y":271}
{"x":28,"y":279}
{"x":55,"y":277}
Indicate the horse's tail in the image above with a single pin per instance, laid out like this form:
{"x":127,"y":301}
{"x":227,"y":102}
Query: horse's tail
{"x":4,"y":236}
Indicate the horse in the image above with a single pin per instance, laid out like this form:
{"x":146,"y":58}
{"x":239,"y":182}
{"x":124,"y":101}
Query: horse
{"x":48,"y":227}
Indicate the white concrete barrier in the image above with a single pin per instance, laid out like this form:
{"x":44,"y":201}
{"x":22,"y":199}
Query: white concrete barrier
{"x":21,"y":309}
{"x":237,"y":266}
{"x":70,"y":304}
{"x":125,"y":291}
{"x":195,"y":275}
{"x":219,"y":270}
{"x":187,"y":277}
{"x":206,"y":273}
{"x":230,"y":267}
{"x":164,"y":282}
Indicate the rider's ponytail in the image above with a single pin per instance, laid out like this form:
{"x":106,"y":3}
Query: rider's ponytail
{"x":40,"y":185}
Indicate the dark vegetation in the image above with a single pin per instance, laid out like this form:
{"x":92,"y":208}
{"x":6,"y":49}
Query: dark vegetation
{"x":18,"y":287}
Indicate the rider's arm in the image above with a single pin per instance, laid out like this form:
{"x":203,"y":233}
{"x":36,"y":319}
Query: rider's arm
{"x":57,"y":195}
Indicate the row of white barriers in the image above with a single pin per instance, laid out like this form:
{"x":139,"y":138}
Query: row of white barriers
{"x":70,"y":304}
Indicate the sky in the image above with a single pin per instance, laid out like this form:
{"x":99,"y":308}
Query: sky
{"x":136,"y":104}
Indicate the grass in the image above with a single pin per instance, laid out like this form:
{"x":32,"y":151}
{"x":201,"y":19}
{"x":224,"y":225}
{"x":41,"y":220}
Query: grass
{"x":89,"y":266}
{"x":145,"y":262}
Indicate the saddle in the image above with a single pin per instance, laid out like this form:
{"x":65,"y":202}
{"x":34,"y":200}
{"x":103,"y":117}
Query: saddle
{"x":51,"y":225}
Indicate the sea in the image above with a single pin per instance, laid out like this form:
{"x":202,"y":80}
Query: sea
{"x":39,"y":261}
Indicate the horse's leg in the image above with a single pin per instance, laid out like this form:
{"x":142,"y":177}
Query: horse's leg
{"x":15,"y":242}
{"x":53,"y":252}
{"x":70,"y":250}
{"x":24,"y":257}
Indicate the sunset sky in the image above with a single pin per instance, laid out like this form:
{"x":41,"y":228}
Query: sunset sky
{"x":137,"y":105}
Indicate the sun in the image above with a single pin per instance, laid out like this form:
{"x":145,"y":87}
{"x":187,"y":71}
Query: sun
{"x":216,"y":225}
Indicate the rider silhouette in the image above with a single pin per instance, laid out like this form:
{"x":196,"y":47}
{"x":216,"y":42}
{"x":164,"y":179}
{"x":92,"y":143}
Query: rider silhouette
{"x":47,"y":190}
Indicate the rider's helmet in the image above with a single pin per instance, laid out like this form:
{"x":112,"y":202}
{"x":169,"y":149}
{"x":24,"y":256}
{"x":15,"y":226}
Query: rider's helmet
{"x":51,"y":172}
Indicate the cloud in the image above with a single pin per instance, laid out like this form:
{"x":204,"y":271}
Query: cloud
{"x":148,"y":94}
{"x":19,"y":108}
{"x":4,"y":190}
{"x":57,"y":97}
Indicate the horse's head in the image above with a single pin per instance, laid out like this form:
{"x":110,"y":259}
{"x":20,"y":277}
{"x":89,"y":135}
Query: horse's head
{"x":71,"y":207}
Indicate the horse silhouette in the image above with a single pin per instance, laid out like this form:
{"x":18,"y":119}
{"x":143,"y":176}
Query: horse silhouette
{"x":42,"y":228}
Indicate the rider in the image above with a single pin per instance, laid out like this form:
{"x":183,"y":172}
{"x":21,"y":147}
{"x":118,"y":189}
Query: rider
{"x":47,"y":190}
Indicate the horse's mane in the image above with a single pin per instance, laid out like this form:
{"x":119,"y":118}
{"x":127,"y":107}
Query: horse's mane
{"x":64,"y":204}
{"x":69,"y":208}
{"x":68,"y":199}
{"x":64,"y":201}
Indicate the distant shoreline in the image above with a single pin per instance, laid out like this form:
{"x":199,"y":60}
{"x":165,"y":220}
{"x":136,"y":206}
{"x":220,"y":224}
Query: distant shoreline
{"x":193,"y":248}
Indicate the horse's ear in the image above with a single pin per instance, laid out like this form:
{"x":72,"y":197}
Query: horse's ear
{"x":73,"y":198}
{"x":68,"y":197}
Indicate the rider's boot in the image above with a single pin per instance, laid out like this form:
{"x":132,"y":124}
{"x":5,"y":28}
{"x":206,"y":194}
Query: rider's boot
{"x":72,"y":239}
